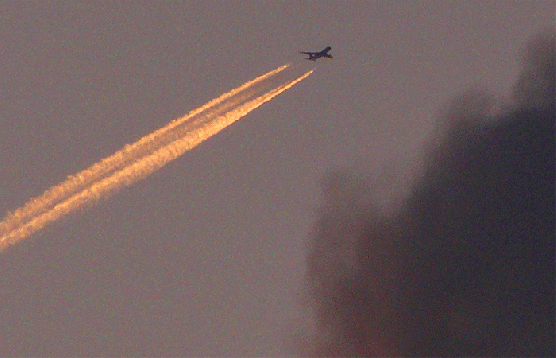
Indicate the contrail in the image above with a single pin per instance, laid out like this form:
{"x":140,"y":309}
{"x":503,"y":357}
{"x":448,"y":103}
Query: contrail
{"x":116,"y":161}
{"x":136,"y":161}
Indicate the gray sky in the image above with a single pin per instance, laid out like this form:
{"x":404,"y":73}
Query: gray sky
{"x":206,"y":256}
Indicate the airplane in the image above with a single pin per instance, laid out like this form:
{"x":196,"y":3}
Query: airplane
{"x":314,"y":55}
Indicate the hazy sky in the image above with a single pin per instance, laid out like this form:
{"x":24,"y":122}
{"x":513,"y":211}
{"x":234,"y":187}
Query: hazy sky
{"x":206,"y":256}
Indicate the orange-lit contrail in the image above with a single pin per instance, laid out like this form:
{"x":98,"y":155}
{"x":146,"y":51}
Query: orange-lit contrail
{"x":136,"y":161}
{"x":118,"y":160}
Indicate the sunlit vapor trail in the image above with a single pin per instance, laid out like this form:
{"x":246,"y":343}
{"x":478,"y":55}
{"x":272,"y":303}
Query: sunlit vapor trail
{"x":118,"y":160}
{"x":203,"y":126}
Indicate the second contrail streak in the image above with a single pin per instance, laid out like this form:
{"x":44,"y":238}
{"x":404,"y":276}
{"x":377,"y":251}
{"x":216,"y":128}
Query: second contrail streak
{"x":136,"y":161}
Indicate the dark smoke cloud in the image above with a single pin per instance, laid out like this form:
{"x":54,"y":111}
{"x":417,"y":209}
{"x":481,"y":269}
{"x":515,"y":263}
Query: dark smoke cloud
{"x":466,"y":266}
